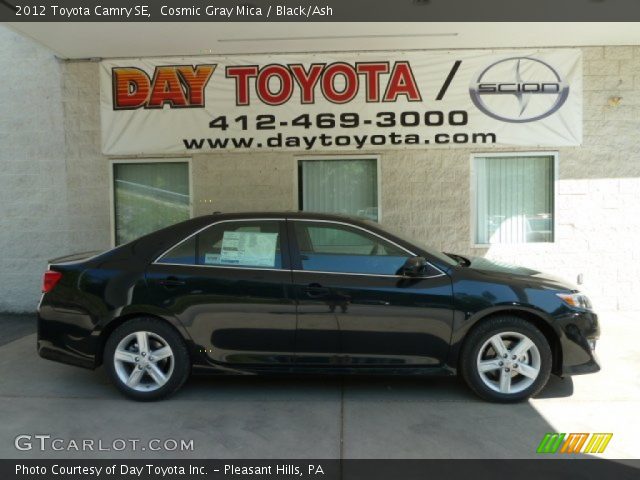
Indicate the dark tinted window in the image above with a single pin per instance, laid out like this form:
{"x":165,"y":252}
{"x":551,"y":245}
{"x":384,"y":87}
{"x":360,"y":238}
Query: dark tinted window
{"x":182,"y":254}
{"x":329,"y":247}
{"x":254,"y":244}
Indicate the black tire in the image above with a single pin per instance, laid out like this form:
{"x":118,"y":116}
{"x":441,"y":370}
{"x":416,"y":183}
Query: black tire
{"x":477,"y":338}
{"x":181,"y":362}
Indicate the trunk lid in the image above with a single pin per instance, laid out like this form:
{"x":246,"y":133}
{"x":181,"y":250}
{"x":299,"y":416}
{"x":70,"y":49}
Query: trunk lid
{"x":74,"y":257}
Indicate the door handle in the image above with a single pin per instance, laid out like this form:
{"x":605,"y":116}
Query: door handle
{"x":171,"y":282}
{"x":367,"y":301}
{"x":315,"y":290}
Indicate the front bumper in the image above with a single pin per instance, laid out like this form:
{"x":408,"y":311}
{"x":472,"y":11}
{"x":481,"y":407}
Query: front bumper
{"x":592,"y":366}
{"x":578,"y":328}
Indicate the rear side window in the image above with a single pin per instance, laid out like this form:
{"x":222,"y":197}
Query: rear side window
{"x":254,"y":244}
{"x":182,"y":254}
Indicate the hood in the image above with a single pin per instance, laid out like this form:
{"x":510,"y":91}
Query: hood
{"x":493,"y":267}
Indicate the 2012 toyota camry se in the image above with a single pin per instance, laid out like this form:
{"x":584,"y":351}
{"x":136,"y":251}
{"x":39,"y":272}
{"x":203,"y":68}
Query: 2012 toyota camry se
{"x":294,"y":292}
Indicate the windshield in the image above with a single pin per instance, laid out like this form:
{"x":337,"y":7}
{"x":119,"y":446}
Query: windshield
{"x":418,"y":243}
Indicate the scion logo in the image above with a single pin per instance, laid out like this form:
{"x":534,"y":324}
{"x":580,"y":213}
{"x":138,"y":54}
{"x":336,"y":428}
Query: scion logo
{"x":537,"y":88}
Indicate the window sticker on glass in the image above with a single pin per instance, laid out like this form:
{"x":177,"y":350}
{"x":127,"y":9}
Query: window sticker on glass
{"x":249,"y":248}
{"x":211,"y":258}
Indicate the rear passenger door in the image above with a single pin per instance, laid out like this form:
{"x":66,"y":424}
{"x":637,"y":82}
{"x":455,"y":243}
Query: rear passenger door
{"x":230,"y":286}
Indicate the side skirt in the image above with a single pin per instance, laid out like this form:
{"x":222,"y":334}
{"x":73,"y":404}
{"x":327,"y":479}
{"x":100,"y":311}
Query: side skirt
{"x":331,"y":370}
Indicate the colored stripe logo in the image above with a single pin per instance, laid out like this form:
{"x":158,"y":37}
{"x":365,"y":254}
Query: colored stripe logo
{"x":574,"y":443}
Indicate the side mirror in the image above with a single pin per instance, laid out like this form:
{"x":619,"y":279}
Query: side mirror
{"x":413,"y":266}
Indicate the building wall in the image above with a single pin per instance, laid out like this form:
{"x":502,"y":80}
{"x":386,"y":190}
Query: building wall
{"x":53,"y":180}
{"x":55,"y":196}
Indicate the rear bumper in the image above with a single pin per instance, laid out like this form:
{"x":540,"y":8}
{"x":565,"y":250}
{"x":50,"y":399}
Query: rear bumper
{"x":66,"y":337}
{"x":51,"y":352}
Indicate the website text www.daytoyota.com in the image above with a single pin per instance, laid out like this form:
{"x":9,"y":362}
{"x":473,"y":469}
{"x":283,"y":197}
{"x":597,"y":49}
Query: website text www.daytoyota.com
{"x":344,"y":121}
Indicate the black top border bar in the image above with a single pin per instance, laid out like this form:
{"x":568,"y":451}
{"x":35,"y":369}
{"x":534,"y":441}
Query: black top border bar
{"x":320,"y":11}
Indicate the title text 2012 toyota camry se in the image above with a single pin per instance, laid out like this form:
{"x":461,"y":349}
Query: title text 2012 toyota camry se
{"x":294,"y":292}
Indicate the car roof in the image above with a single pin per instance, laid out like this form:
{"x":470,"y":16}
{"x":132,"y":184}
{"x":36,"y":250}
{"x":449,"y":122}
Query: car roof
{"x":289,"y":214}
{"x":148,"y":247}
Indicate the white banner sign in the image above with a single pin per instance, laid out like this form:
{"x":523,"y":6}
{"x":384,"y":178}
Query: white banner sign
{"x":342,"y":101}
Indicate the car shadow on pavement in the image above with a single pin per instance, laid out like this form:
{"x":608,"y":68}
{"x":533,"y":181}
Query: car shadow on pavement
{"x":389,"y":417}
{"x":441,"y":388}
{"x":16,"y":325}
{"x":275,"y":416}
{"x":557,"y":387}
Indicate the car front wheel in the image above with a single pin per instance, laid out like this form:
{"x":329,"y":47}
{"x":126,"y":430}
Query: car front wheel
{"x":146,"y":359}
{"x":506,"y":359}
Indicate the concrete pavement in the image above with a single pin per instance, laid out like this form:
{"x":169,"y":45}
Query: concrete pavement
{"x":249,"y":417}
{"x":15,"y":326}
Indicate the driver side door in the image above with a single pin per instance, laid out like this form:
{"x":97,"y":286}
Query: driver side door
{"x":355,"y":308}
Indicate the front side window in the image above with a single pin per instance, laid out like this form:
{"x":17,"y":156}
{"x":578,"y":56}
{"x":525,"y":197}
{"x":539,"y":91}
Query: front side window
{"x":514,"y":199}
{"x":149,"y":196}
{"x":253,"y":244}
{"x":344,"y":186}
{"x":328,"y":247}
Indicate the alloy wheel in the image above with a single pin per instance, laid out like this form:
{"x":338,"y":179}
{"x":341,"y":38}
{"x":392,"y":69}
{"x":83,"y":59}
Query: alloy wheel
{"x":143,"y":361}
{"x":508,"y":362}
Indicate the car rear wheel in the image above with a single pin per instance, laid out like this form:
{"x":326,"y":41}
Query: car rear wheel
{"x":146,"y":359}
{"x":506,"y":359}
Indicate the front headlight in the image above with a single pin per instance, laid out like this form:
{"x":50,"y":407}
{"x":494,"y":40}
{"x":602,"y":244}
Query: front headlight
{"x":576,"y":300}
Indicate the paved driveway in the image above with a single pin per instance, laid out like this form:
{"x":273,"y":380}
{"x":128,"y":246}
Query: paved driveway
{"x":246,"y":417}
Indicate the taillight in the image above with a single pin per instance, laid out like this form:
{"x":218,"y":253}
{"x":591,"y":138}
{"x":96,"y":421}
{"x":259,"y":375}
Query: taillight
{"x":50,"y":280}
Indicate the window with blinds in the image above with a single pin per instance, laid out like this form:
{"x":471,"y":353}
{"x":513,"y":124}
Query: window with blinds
{"x":347,"y":186}
{"x":514,"y":198}
{"x":149,"y":196}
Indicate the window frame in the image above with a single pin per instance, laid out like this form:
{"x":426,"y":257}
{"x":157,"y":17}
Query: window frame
{"x":297,"y":191}
{"x":143,"y":160}
{"x":473,"y":192}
